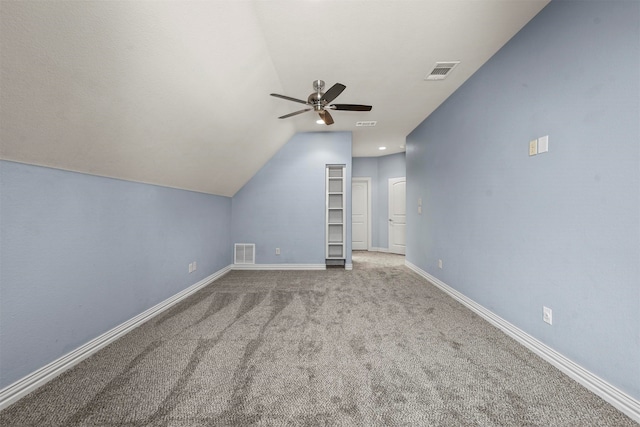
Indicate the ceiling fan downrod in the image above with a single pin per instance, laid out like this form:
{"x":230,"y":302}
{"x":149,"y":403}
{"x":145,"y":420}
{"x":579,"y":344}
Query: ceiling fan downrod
{"x":318,"y":85}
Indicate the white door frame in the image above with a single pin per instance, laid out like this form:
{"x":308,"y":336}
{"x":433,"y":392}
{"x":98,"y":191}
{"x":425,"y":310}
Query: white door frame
{"x":389,"y":245}
{"x":368,"y":181}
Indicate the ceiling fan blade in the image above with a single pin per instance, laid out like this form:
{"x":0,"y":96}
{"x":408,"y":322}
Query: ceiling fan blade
{"x":333,"y":92}
{"x":350,"y":107}
{"x":288,"y":98}
{"x":295,"y":113}
{"x":326,"y":117}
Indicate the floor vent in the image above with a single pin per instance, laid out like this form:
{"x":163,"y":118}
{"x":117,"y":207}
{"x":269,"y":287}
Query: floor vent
{"x":441,"y":70}
{"x":244,"y":253}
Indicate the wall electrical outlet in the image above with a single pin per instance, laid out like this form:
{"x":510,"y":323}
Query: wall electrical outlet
{"x":533,"y":147}
{"x":439,"y":263}
{"x":547,"y":315}
{"x":190,"y":267}
{"x":195,"y":266}
{"x":277,"y":251}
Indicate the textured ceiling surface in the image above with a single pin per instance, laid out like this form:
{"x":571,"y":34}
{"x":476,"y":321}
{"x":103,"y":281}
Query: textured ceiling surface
{"x":176,"y":93}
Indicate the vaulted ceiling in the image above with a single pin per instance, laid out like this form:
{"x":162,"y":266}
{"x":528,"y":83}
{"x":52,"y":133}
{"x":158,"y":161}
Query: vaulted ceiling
{"x":176,"y":93}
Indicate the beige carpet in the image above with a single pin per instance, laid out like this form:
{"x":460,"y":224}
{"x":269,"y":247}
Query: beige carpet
{"x":376,"y":346}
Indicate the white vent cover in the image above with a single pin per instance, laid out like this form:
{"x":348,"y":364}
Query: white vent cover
{"x":244,"y":253}
{"x":441,"y":70}
{"x":366,"y":124}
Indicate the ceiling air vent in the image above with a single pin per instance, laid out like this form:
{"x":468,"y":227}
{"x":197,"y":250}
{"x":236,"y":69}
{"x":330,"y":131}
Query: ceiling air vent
{"x":441,"y":70}
{"x":366,"y":124}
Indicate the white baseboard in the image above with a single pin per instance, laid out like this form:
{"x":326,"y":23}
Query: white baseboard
{"x":22,"y":387}
{"x":285,"y":267}
{"x":374,"y":249}
{"x":278,"y":267}
{"x":617,"y":398}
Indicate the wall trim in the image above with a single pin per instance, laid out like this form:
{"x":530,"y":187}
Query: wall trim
{"x":374,"y":249}
{"x":278,"y":267}
{"x":31,"y":382}
{"x":614,"y":396}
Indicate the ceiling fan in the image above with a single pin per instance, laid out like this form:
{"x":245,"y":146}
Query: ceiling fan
{"x":321,"y":102}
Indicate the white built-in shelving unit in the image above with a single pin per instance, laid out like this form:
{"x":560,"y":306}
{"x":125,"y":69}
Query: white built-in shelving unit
{"x":335,"y":210}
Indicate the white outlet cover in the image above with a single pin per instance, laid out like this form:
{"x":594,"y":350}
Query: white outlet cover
{"x":547,"y":315}
{"x":195,"y":266}
{"x":543,"y":144}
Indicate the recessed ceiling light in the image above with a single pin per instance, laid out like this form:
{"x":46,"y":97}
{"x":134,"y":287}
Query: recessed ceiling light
{"x":320,"y":121}
{"x":382,"y":148}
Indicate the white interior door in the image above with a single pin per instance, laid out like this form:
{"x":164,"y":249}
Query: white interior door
{"x":360,"y":214}
{"x":397,"y":215}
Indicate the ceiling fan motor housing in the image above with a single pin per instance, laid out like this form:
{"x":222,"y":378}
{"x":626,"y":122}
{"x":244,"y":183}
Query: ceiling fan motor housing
{"x":315,"y":99}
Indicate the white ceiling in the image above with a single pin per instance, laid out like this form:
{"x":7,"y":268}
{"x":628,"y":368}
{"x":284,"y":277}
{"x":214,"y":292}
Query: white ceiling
{"x":176,"y":93}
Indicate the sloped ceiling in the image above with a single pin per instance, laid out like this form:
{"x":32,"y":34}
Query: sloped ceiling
{"x":176,"y":93}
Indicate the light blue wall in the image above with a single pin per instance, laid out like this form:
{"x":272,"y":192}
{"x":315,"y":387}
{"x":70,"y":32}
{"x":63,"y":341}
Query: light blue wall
{"x":283,"y":205}
{"x":380,"y":170}
{"x":560,"y":229}
{"x":81,"y":254}
{"x":365,"y":167}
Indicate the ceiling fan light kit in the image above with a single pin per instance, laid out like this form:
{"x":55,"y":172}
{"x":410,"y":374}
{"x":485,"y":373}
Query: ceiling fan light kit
{"x":320,"y":102}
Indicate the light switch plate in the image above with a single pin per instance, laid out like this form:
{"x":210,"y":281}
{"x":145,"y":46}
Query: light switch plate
{"x":533,"y":147}
{"x":543,"y":144}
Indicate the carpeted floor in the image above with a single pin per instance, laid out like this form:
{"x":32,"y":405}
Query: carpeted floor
{"x":376,"y":346}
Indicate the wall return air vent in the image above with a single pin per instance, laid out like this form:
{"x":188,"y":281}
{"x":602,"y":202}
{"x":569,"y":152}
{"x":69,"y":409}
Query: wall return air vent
{"x":441,"y":70}
{"x":244,"y":253}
